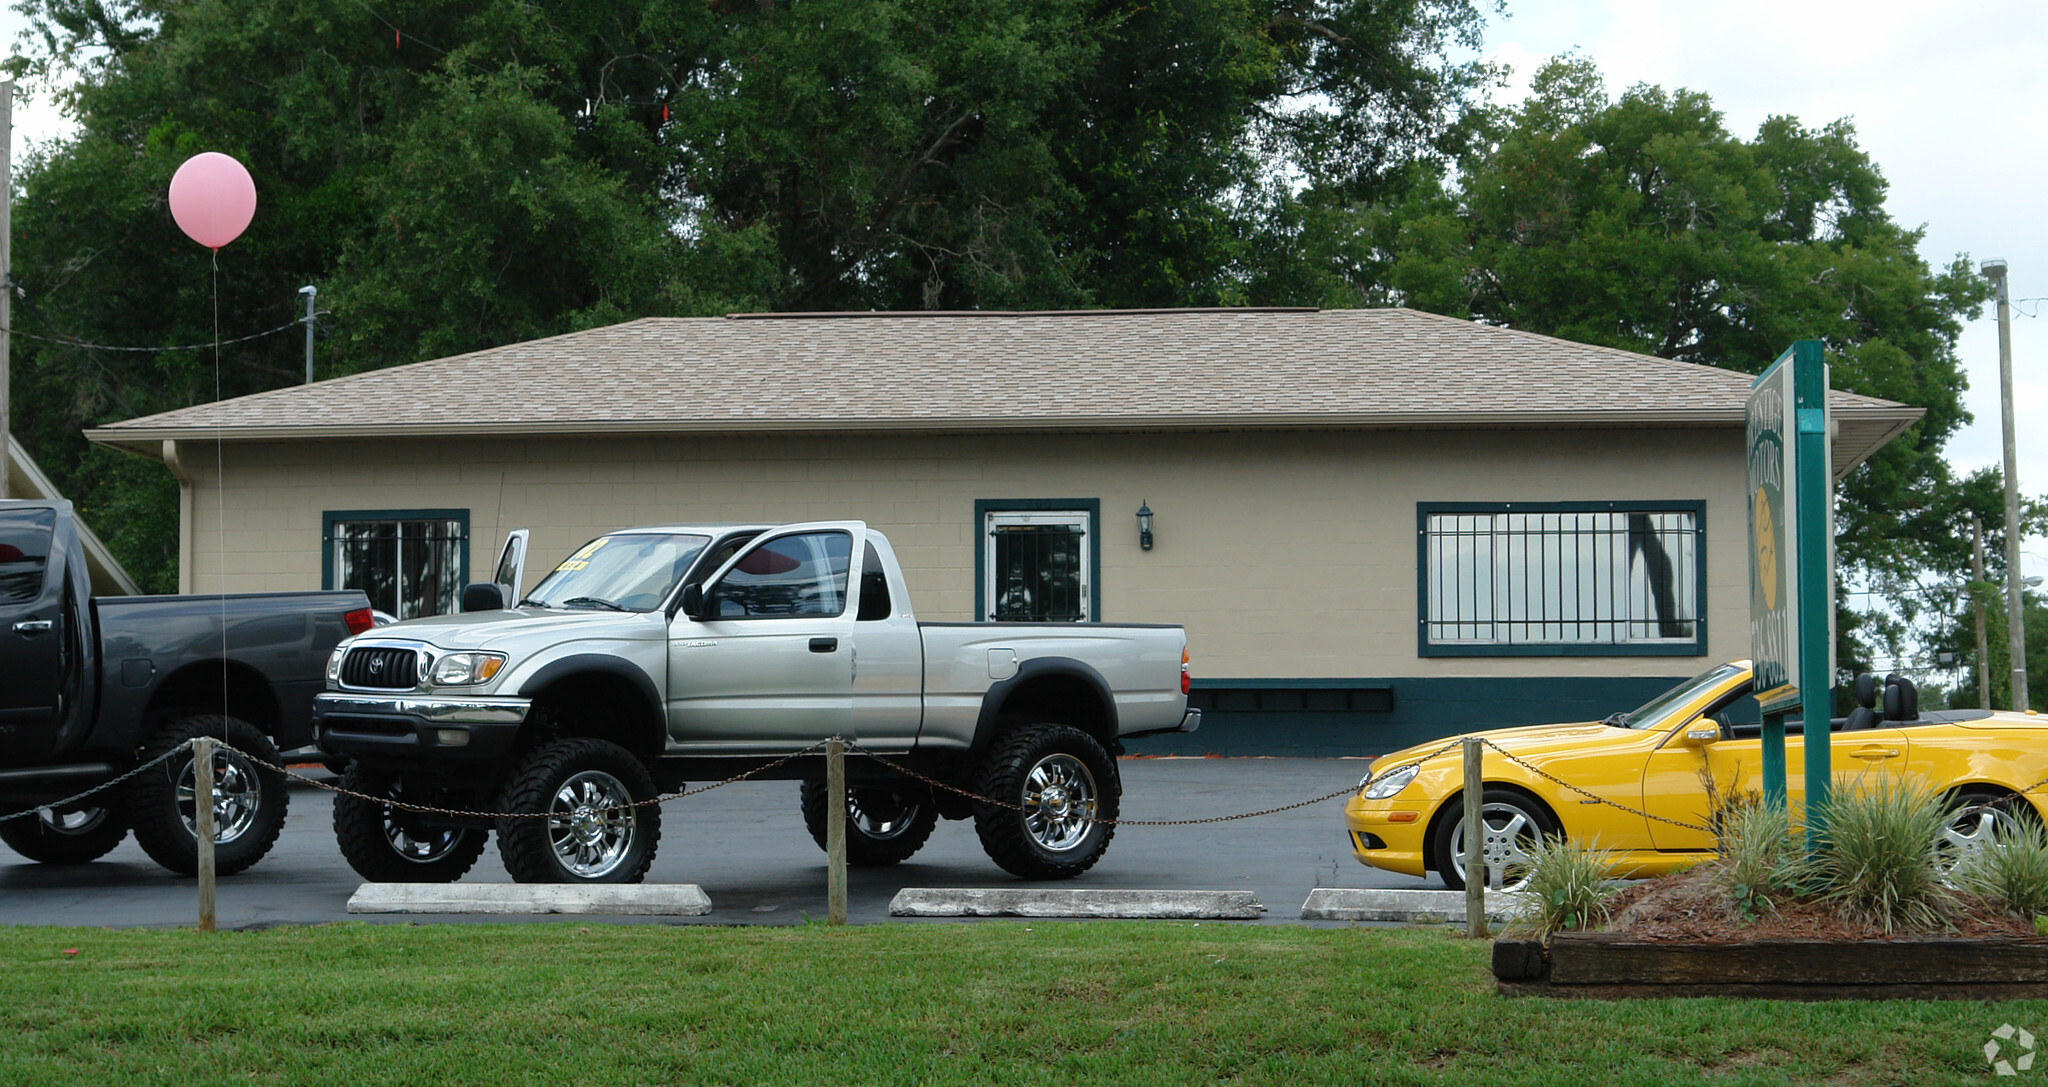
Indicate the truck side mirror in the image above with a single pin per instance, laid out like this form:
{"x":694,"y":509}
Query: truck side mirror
{"x":482,"y":596}
{"x":693,"y":600}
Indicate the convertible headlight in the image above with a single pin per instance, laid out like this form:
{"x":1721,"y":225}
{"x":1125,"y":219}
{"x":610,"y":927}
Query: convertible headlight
{"x":465,"y":669}
{"x":334,"y":660}
{"x":1393,"y":782}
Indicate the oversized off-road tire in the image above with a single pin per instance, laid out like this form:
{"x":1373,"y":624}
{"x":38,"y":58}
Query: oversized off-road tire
{"x":73,"y":837}
{"x":588,"y":836}
{"x":883,"y":826}
{"x":249,"y":801}
{"x":1061,"y":781}
{"x":391,"y":845}
{"x":1514,"y":824}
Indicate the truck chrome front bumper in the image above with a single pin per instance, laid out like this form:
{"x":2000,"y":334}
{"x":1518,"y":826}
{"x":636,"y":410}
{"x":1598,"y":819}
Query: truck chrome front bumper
{"x":457,"y":729}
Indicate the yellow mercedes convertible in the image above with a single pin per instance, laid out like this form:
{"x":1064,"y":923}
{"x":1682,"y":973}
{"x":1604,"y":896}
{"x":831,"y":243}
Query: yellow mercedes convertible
{"x":1639,"y":783}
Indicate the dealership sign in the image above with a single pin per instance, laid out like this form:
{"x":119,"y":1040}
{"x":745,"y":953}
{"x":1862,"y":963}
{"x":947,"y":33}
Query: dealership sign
{"x":1773,"y":534}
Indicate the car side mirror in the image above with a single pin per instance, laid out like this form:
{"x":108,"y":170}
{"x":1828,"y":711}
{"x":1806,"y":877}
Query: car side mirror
{"x":483,"y":596}
{"x":693,"y":600}
{"x":1702,"y":733}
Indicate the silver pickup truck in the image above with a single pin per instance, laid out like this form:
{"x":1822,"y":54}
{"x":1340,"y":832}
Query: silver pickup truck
{"x":653,"y":656}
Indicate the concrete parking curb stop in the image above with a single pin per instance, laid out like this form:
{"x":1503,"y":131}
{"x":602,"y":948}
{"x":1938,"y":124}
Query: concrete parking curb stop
{"x":645,"y":899}
{"x":1420,"y":907}
{"x":1036,"y":902}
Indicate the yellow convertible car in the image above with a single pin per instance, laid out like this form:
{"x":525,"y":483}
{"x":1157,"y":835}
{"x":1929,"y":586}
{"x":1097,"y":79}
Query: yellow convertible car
{"x":1639,"y":783}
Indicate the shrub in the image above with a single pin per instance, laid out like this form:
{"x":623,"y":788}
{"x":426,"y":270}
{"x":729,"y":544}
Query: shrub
{"x":1762,"y":863}
{"x":2011,"y":874}
{"x":1567,"y":888}
{"x":1878,"y":862}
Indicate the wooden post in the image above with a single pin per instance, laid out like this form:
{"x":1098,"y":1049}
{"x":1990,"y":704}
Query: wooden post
{"x":835,"y":831}
{"x":1475,"y":840}
{"x":202,"y":825}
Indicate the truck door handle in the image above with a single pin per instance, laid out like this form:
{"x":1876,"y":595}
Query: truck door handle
{"x":32,"y":626}
{"x":824,"y":645}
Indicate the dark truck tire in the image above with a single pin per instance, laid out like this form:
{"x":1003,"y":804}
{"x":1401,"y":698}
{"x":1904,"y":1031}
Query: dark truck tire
{"x":249,"y":800}
{"x":573,"y":781}
{"x":73,"y":837}
{"x":1062,"y":779}
{"x":391,"y":845}
{"x":883,"y":826}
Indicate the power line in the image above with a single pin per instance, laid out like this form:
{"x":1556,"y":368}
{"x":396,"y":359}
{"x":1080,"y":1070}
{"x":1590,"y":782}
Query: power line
{"x":70,"y":341}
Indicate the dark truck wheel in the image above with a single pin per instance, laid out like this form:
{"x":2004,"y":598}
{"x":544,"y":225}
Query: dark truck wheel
{"x":882,"y":826}
{"x":1062,"y":780}
{"x":588,"y":836}
{"x":391,"y":845}
{"x":248,"y":801}
{"x":72,"y":837}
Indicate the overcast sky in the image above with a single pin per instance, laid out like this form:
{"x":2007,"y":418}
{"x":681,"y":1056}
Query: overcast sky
{"x":1948,"y":99}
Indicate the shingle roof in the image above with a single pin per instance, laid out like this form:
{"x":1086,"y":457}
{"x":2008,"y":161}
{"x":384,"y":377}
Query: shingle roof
{"x":1127,"y":369}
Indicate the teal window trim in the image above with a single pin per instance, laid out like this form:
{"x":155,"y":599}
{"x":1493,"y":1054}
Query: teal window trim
{"x":1696,"y":646}
{"x":985,"y":506}
{"x":328,"y":519}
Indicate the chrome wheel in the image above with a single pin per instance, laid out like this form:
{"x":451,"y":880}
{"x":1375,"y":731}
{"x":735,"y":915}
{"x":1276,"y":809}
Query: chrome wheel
{"x":80,"y":821}
{"x":237,"y":796}
{"x":591,"y":824}
{"x":423,"y":848}
{"x":882,"y":816}
{"x":1059,"y":802}
{"x":1505,"y":846}
{"x":1979,"y":821}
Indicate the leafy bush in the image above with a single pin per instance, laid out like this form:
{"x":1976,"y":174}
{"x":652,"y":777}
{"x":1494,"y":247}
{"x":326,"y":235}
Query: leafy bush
{"x":1568,"y":887}
{"x":2011,"y":874}
{"x":1878,"y":863}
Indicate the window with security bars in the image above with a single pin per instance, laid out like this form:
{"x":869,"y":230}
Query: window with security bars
{"x":1036,"y":567}
{"x":1563,"y":578}
{"x":409,"y":565}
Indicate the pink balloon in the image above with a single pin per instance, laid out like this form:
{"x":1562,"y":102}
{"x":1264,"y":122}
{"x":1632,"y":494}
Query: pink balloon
{"x":213,"y":199}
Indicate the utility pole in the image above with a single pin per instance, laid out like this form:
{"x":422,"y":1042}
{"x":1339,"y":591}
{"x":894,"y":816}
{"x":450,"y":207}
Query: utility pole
{"x":2015,"y":616}
{"x":1977,"y":601}
{"x":6,"y":278}
{"x":311,"y":293}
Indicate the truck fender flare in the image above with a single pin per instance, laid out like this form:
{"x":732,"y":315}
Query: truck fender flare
{"x":583,"y":664}
{"x":1037,"y":671}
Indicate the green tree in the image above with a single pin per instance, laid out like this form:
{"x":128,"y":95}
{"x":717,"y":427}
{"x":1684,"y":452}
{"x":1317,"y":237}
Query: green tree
{"x":1640,"y":222}
{"x":458,"y":174}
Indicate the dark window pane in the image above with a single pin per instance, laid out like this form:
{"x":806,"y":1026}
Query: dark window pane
{"x":24,"y":553}
{"x":406,"y":568}
{"x":1038,"y":573}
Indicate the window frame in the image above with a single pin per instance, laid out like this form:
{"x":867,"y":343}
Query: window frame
{"x":1696,"y":646}
{"x":329,"y":518}
{"x":1089,"y":507}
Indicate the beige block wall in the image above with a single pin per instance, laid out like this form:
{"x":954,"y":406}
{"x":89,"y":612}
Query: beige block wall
{"x":1285,"y":554}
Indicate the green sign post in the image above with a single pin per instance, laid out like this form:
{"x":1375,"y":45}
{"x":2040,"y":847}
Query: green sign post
{"x":1791,"y":566}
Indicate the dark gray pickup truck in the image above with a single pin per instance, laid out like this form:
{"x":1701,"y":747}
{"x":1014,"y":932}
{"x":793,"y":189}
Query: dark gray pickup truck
{"x":91,"y":688}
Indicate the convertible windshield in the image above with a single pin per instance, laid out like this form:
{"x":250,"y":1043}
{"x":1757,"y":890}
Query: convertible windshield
{"x":1656,"y":712}
{"x":629,"y":571}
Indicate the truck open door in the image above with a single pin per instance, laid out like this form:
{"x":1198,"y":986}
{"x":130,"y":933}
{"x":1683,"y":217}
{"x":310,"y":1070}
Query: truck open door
{"x":511,"y":566}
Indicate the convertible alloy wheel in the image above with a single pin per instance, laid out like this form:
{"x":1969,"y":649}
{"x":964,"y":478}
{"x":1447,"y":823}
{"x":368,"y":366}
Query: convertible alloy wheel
{"x":1513,"y":826}
{"x":1977,"y":820}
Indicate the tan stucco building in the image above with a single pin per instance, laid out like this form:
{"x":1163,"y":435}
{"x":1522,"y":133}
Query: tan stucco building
{"x":1377,"y":525}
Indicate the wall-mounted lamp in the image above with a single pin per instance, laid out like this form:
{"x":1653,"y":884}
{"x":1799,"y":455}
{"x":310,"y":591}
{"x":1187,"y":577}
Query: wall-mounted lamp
{"x":1144,"y":526}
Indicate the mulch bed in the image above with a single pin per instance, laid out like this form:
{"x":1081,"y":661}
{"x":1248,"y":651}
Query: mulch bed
{"x":1687,"y":906}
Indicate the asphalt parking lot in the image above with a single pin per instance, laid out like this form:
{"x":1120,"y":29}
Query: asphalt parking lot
{"x":745,"y":845}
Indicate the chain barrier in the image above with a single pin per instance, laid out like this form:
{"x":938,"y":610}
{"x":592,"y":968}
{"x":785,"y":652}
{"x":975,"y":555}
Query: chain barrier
{"x":855,"y":748}
{"x":52,"y":806}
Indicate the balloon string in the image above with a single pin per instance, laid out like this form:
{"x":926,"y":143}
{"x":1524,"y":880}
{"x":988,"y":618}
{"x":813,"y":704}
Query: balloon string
{"x":220,"y":484}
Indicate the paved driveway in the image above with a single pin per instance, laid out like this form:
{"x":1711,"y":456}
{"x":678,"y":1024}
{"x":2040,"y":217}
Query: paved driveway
{"x":746,"y":846}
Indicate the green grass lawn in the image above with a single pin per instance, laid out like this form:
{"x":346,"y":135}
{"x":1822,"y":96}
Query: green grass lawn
{"x":990,"y":1002}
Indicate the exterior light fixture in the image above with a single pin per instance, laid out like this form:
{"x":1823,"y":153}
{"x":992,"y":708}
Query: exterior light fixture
{"x":1144,"y":526}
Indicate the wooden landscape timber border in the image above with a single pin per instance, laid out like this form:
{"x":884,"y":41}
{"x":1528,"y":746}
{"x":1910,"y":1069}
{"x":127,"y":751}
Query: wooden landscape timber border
{"x":1607,"y":966}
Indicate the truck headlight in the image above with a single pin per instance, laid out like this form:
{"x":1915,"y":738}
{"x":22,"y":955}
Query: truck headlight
{"x":1395,"y":780}
{"x":334,"y":660}
{"x":465,"y":669}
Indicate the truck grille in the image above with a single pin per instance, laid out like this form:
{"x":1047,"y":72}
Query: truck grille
{"x":380,"y":668}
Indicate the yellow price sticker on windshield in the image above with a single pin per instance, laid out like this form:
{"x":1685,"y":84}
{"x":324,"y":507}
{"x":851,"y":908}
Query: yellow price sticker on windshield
{"x":572,"y":564}
{"x":590,"y":549}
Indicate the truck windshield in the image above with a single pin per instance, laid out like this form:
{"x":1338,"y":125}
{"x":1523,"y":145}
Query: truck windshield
{"x":627,"y":571}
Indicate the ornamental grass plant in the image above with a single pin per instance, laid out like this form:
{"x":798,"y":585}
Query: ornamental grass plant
{"x":2009,"y":875}
{"x":1762,"y":861}
{"x":1878,"y":863}
{"x":1568,"y":887}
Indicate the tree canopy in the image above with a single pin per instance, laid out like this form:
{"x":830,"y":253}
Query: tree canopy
{"x":458,"y":174}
